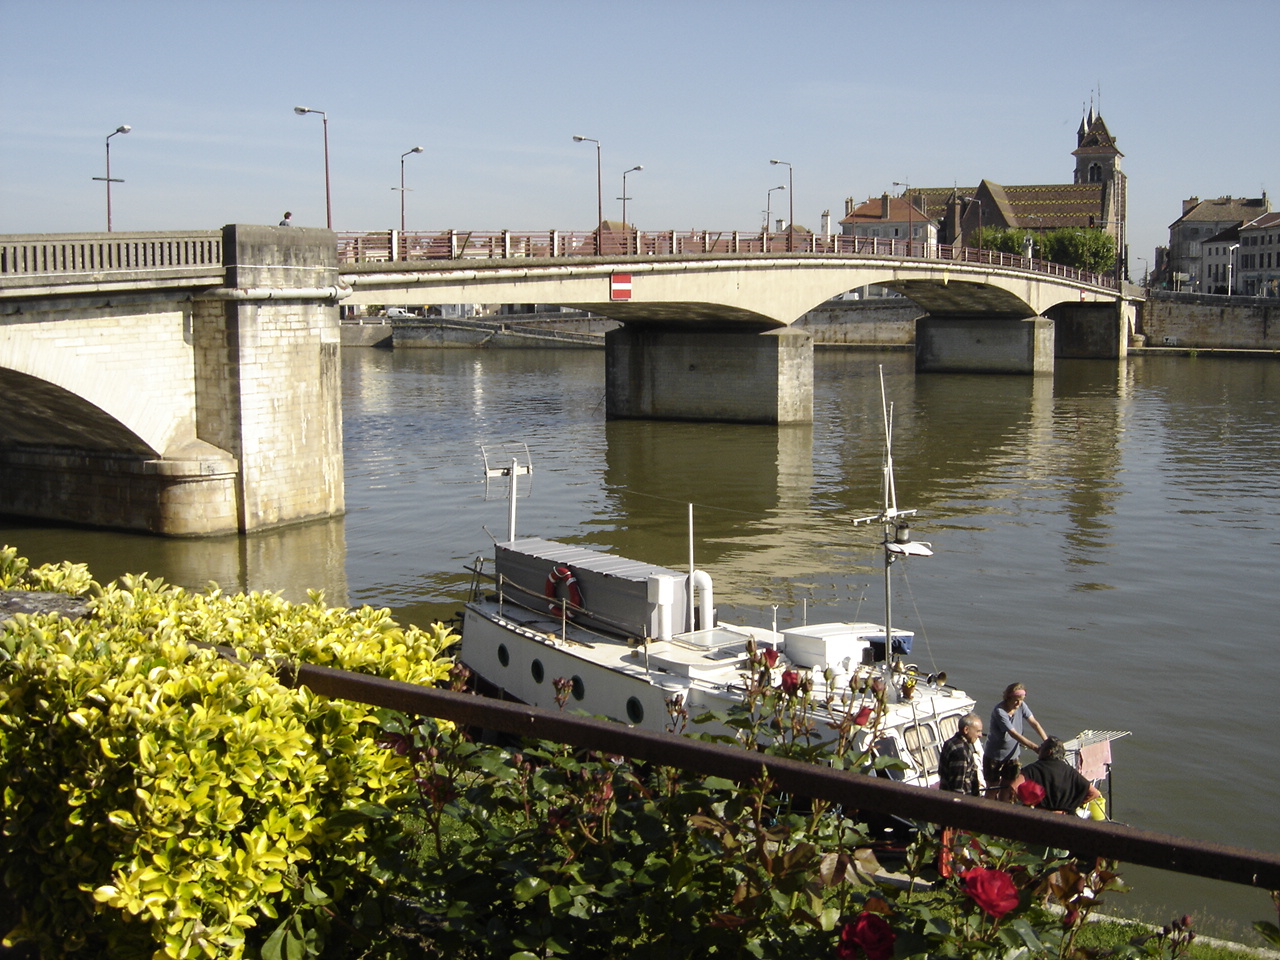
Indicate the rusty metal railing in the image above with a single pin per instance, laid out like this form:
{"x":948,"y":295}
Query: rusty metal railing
{"x":851,"y":790}
{"x":396,"y":245}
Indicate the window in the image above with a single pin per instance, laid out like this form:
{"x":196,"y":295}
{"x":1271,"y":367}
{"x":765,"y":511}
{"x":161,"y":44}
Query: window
{"x":922,"y":744}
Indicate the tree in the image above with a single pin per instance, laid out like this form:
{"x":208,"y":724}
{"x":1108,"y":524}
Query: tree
{"x":1085,"y":249}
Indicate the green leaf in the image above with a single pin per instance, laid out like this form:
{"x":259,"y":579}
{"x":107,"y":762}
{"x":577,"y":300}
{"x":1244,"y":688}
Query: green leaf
{"x":530,"y":887}
{"x":1269,"y":931}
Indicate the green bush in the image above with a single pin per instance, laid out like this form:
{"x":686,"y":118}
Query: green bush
{"x":162,"y":800}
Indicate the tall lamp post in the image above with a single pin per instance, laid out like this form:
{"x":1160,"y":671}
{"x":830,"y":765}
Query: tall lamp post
{"x":599,"y":188}
{"x":123,"y":128}
{"x":906,"y":193}
{"x":624,"y":198}
{"x":791,"y":199}
{"x":402,"y":187}
{"x":768,"y":212}
{"x":328,"y":202}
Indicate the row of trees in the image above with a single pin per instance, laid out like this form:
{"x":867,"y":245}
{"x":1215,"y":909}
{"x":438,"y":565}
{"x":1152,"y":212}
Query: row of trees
{"x":1085,"y":249}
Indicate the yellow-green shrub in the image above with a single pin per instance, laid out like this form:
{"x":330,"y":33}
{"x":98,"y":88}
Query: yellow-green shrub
{"x":160,"y":799}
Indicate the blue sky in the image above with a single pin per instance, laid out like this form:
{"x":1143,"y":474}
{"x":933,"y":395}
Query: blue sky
{"x":702,"y":93}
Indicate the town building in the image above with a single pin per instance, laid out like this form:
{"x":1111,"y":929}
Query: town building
{"x":1218,"y":261}
{"x":1258,"y":259}
{"x":1182,"y":267}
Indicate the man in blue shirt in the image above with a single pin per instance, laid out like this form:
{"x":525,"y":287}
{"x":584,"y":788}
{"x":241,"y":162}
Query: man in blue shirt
{"x":1004,"y":732}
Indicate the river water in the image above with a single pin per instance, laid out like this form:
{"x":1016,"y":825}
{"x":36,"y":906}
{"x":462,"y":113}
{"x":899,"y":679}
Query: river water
{"x":1107,"y":535}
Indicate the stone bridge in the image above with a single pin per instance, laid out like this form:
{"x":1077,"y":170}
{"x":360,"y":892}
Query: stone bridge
{"x":187,"y":384}
{"x":706,"y":329}
{"x":179,"y":384}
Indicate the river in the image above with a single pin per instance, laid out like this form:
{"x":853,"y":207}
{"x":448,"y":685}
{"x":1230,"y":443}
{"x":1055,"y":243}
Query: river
{"x":1106,"y":535}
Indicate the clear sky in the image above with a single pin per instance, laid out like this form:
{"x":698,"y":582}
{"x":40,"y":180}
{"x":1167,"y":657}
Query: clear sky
{"x":702,"y":93}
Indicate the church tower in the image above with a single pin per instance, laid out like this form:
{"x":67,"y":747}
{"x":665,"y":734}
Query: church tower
{"x":1098,"y":162}
{"x":1097,"y":159}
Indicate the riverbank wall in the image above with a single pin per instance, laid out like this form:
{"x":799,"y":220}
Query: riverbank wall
{"x":1209,"y":322}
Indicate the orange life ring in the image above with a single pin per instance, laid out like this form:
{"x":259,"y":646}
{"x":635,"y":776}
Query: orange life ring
{"x":561,"y":574}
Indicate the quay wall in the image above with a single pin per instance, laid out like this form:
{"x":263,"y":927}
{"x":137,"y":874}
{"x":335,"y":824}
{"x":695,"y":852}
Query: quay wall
{"x":1210,"y":322}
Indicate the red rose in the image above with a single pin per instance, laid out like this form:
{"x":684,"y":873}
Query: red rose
{"x":992,"y":890}
{"x":861,"y":717}
{"x":770,"y":657}
{"x":1030,"y":793}
{"x":790,"y":682}
{"x":868,"y":935}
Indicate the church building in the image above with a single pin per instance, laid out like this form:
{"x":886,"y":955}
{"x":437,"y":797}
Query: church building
{"x":1096,"y":197}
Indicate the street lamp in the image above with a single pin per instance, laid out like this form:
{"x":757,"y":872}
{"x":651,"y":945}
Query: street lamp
{"x":123,"y":128}
{"x":791,"y":198}
{"x":624,"y":198}
{"x":402,"y":156}
{"x":907,"y":194}
{"x":768,"y":212}
{"x":328,"y":204}
{"x":599,"y":193}
{"x":1231,"y":262}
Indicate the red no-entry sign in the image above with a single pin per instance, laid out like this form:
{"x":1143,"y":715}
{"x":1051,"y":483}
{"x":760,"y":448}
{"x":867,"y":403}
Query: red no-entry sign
{"x":620,"y":286}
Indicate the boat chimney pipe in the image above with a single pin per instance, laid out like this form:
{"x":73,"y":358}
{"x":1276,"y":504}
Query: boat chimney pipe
{"x":706,"y":599}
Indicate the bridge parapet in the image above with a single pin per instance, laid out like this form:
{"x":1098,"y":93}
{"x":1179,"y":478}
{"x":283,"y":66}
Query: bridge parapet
{"x":445,"y":245}
{"x":30,"y":263}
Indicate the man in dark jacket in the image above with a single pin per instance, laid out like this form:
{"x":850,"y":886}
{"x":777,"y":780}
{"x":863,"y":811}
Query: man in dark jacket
{"x":958,"y":761}
{"x":1065,"y":790}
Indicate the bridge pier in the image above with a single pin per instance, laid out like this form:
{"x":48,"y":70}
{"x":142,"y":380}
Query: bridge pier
{"x":984,"y":345}
{"x":655,"y":372}
{"x":1091,"y":331}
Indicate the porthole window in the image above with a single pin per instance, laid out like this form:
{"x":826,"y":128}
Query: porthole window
{"x":635,"y":710}
{"x":536,"y":671}
{"x":578,"y":688}
{"x":504,"y":655}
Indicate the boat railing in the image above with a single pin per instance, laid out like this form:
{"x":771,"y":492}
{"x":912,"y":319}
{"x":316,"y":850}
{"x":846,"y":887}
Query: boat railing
{"x":508,"y":591}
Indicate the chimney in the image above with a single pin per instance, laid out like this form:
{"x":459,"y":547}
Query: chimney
{"x":884,"y":207}
{"x":1189,"y":205}
{"x":826,"y":223}
{"x":849,"y":206}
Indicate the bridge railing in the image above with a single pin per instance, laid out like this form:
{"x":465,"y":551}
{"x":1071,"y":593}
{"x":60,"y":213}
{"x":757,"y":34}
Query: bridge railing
{"x":396,"y":245}
{"x":67,"y":256}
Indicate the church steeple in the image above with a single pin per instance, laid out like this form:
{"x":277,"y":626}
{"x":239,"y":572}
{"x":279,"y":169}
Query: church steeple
{"x":1097,"y":157}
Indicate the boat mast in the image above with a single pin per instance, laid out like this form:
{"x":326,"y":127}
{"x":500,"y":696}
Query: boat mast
{"x":897,"y":536}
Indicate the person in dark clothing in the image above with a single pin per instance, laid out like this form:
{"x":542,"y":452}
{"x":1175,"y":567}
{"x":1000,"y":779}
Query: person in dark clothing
{"x":1065,"y":790}
{"x":958,"y":761}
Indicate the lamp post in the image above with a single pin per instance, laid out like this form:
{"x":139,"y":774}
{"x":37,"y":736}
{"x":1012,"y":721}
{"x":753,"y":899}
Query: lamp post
{"x":328,"y":203}
{"x":906,"y":193}
{"x":791,"y":199}
{"x":768,"y":212}
{"x":624,"y":198}
{"x":1231,"y":262}
{"x":402,"y":187}
{"x":123,"y":128}
{"x":599,"y":193}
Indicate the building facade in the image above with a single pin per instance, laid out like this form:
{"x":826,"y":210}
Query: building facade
{"x":1201,"y":221}
{"x":1258,"y":258}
